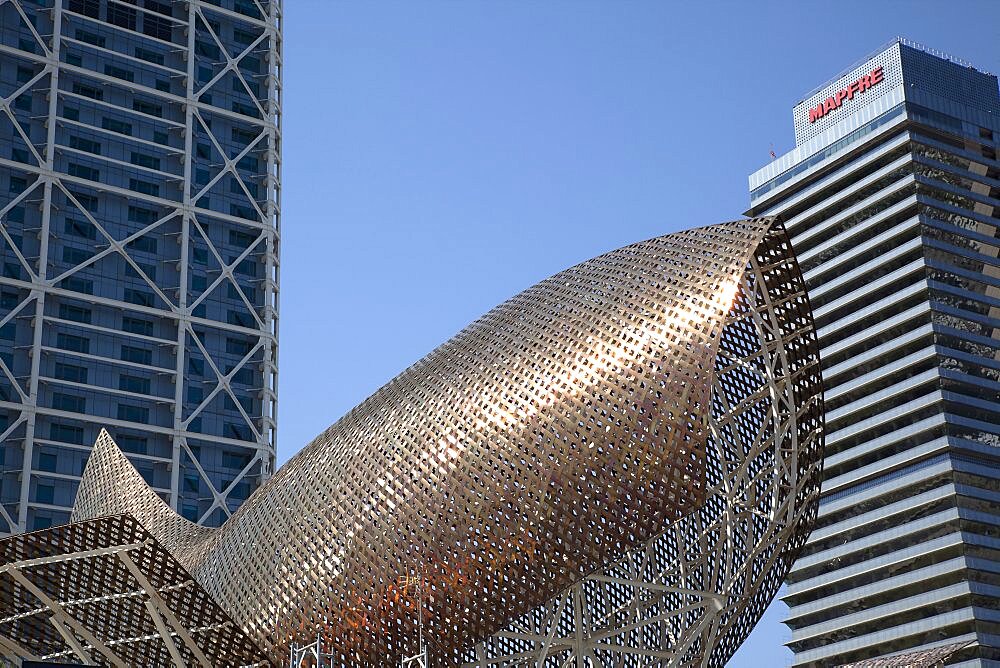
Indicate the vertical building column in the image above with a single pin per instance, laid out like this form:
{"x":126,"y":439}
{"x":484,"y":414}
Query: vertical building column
{"x":48,"y":175}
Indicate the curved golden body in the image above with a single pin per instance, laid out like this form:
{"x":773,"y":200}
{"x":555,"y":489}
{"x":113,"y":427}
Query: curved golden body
{"x":561,"y":429}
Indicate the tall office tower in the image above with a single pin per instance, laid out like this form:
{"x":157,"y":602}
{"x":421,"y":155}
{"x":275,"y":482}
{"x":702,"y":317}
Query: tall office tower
{"x":892,"y":199}
{"x":139,"y":206}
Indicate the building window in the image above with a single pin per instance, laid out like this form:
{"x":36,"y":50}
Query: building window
{"x":237,"y":346}
{"x":244,"y":137}
{"x":76,"y":344}
{"x":240,"y":432}
{"x":144,"y":187}
{"x":137,"y":325}
{"x":135,"y":444}
{"x":88,"y":202}
{"x":45,"y":493}
{"x":80,"y":228}
{"x":9,"y":300}
{"x":119,"y":73}
{"x":76,"y":284}
{"x":135,"y":384}
{"x":154,"y":26}
{"x":84,"y":172}
{"x":89,"y":38}
{"x":243,"y":37}
{"x":47,"y":462}
{"x":86,"y":145}
{"x":145,"y":244}
{"x":115,"y":125}
{"x":206,"y":50}
{"x":88,"y":91}
{"x":69,"y":402}
{"x":138,"y":214}
{"x":245,"y":376}
{"x":144,"y":160}
{"x":123,"y":17}
{"x":246,"y":267}
{"x":74,"y":313}
{"x":71,"y":372}
{"x":235,"y":460}
{"x":139,"y":297}
{"x":65,"y":433}
{"x":148,"y":56}
{"x":147,"y":108}
{"x":240,"y":319}
{"x":137,"y":355}
{"x":91,"y":8}
{"x":74,"y":256}
{"x":247,"y":8}
{"x":131,"y":413}
{"x":147,"y":269}
{"x":234,"y":293}
{"x":12,"y":270}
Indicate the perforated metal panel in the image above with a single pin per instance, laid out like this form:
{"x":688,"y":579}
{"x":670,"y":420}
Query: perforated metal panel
{"x":888,"y":60}
{"x":563,"y":430}
{"x":948,"y":80}
{"x":104,"y":592}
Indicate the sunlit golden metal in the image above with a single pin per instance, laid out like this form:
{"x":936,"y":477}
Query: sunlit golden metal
{"x":565,"y":431}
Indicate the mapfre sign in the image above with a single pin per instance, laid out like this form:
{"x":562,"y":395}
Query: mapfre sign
{"x":833,"y":102}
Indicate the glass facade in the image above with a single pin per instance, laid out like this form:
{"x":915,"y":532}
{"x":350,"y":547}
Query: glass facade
{"x":139,"y":219}
{"x":897,"y":228}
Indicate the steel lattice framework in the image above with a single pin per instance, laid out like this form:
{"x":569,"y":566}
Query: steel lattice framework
{"x":615,"y":467}
{"x":139,"y":140}
{"x":106,"y":591}
{"x":692,"y":594}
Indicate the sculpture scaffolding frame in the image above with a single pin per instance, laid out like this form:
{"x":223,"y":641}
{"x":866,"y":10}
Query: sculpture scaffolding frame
{"x":656,"y":609}
{"x":636,"y":440}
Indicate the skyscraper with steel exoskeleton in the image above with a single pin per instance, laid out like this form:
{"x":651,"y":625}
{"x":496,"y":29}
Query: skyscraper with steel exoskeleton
{"x":139,"y":210}
{"x":892,"y":199}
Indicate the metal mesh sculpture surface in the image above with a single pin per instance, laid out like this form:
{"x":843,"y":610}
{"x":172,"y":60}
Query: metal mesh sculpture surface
{"x":627,"y":451}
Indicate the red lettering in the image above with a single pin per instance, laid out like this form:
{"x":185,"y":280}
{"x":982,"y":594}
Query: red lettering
{"x":859,"y":86}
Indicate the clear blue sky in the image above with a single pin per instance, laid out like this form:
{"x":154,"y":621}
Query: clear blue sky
{"x":439,"y":157}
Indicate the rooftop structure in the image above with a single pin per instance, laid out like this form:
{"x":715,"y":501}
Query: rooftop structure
{"x":892,"y":201}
